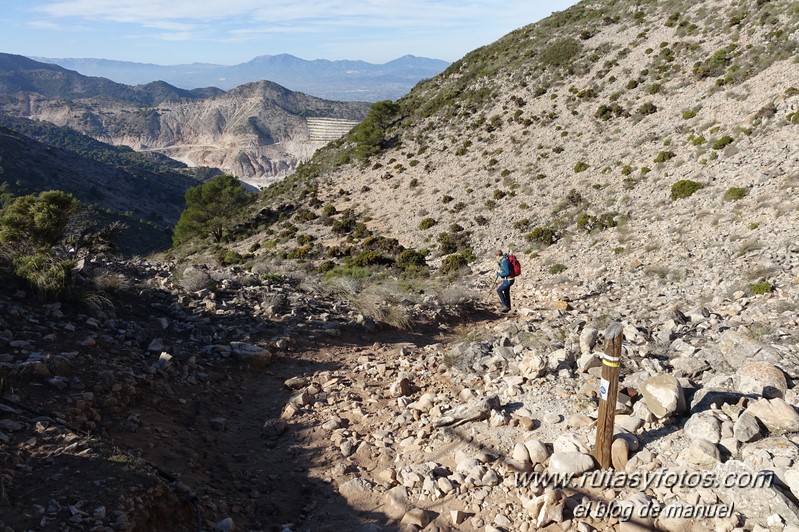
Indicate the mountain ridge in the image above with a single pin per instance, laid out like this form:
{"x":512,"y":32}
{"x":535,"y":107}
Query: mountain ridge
{"x":324,"y":78}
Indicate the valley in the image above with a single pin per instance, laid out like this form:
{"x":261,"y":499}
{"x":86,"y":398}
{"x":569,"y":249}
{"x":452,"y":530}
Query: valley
{"x":328,"y":352}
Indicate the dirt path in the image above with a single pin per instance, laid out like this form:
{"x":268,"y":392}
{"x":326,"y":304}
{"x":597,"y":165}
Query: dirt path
{"x":213,"y":439}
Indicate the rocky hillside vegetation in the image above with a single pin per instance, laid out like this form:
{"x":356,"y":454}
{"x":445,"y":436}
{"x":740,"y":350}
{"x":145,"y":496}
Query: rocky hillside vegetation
{"x":328,"y":354}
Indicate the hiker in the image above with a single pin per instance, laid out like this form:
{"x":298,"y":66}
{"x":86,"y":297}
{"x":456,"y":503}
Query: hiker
{"x":506,"y":274}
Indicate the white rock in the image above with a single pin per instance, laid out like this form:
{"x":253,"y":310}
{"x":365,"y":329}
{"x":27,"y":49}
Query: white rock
{"x":537,"y":450}
{"x":520,"y":453}
{"x":701,"y":454}
{"x":704,"y":426}
{"x":778,"y":416}
{"x":663,"y":395}
{"x":533,"y":366}
{"x":570,"y":462}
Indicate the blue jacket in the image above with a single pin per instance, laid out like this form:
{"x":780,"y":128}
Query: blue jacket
{"x":504,"y":267}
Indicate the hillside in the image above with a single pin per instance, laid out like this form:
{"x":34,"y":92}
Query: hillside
{"x":573,"y":132}
{"x":332,"y":80}
{"x":258,"y":132}
{"x":145,"y":191}
{"x":338,"y":360}
{"x":641,"y":159}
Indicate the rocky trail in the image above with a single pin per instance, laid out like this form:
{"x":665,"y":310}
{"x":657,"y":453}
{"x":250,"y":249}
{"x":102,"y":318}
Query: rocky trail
{"x":262,"y":406}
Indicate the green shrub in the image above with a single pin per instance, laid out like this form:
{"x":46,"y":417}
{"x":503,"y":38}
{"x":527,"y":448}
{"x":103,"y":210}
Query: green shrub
{"x":763,"y":287}
{"x":326,"y":266}
{"x":647,"y":109}
{"x":604,"y":221}
{"x":368,"y":258}
{"x":411,"y":259}
{"x":542,"y":235}
{"x":455,"y":242}
{"x":735,"y":193}
{"x":722,"y":142}
{"x":370,"y":134}
{"x":557,"y":268}
{"x":209,"y":208}
{"x":45,"y":273}
{"x":226,"y":257}
{"x":664,"y":156}
{"x":427,"y":223}
{"x":305,"y":215}
{"x":453,"y":263}
{"x":688,"y":114}
{"x":684,"y":188}
{"x":344,"y":226}
{"x":561,"y":52}
{"x":354,"y":273}
{"x":384,"y":244}
{"x":29,"y":228}
{"x":606,"y":112}
{"x":714,"y":66}
{"x":38,"y":220}
{"x":581,"y":167}
{"x":446,"y":199}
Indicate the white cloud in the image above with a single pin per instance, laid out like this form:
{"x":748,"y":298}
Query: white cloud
{"x":367,"y":29}
{"x":417,"y":13}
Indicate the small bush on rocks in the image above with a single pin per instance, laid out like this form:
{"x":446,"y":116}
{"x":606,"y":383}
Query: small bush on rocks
{"x":684,"y":188}
{"x":722,"y":143}
{"x":581,"y":167}
{"x":735,"y":193}
{"x":427,"y":223}
{"x":453,"y":263}
{"x":763,"y":287}
{"x":542,"y":235}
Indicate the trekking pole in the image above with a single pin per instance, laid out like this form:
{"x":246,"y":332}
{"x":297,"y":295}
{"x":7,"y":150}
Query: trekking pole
{"x":608,"y":393}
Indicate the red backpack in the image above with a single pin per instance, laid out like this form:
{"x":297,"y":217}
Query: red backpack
{"x":515,"y":267}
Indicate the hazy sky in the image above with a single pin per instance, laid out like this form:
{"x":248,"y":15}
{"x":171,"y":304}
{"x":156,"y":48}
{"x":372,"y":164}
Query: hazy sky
{"x":228,"y":32}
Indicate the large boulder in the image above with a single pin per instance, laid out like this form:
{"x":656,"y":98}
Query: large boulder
{"x":663,"y":395}
{"x":761,"y":378}
{"x":778,"y":416}
{"x":570,"y":462}
{"x":738,"y":348}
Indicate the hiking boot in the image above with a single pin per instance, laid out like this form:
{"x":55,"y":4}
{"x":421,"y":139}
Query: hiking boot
{"x":504,"y":309}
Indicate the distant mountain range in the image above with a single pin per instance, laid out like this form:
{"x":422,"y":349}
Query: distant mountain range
{"x":331,"y":80}
{"x":258,"y":131}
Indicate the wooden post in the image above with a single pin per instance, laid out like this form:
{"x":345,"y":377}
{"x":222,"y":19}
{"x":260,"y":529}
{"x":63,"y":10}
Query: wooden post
{"x":608,"y":393}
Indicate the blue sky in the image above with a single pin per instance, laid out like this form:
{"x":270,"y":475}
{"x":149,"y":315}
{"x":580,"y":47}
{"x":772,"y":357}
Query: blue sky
{"x":228,"y":32}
